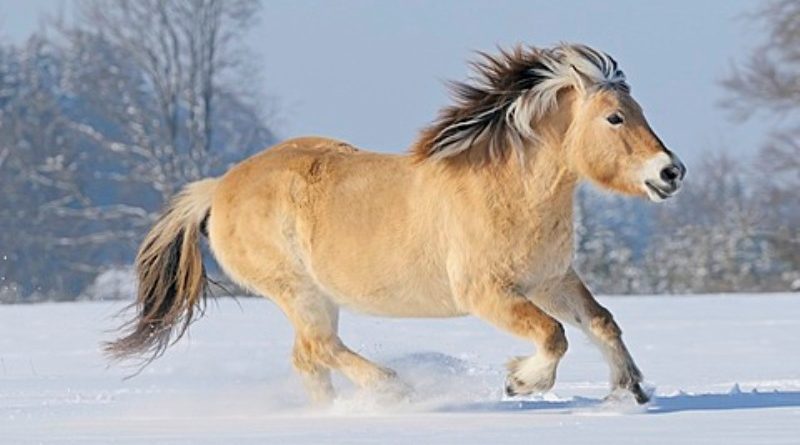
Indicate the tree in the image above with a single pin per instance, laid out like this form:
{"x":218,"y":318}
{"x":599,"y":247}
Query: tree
{"x":159,"y":73}
{"x":712,"y":237}
{"x":607,"y":229}
{"x":37,"y":171}
{"x":767,"y":82}
{"x":104,"y":123}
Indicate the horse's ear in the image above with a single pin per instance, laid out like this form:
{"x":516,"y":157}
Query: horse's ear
{"x":582,"y":81}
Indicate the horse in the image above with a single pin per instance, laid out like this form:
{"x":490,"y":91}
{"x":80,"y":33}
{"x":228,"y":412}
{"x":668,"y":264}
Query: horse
{"x":475,"y":219}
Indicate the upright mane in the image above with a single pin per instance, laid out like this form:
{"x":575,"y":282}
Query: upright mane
{"x":494,"y":112}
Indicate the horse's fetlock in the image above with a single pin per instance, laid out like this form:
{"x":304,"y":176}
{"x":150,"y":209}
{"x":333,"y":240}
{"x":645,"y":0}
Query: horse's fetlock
{"x":557,"y":343}
{"x":604,"y":324}
{"x":627,"y":376}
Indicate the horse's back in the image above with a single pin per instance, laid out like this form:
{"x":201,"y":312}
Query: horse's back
{"x":306,"y":160}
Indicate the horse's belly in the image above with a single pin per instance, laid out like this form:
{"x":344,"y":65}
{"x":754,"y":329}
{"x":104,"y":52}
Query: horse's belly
{"x":405,"y":292}
{"x":400,"y":305}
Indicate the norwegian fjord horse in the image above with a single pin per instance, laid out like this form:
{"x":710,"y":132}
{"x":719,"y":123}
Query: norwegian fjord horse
{"x":475,"y":220}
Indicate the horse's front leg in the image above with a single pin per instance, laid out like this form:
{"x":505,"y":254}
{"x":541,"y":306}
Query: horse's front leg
{"x":579,"y":306}
{"x":516,"y":314}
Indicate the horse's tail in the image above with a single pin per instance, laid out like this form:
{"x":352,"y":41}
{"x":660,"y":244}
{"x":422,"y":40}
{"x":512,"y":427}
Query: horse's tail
{"x":172,"y":281}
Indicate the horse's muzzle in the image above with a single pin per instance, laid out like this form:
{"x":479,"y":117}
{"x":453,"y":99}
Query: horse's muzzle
{"x":669,"y":181}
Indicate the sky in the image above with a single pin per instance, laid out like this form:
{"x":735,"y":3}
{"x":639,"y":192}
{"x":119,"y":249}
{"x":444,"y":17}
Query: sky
{"x":372,"y":72}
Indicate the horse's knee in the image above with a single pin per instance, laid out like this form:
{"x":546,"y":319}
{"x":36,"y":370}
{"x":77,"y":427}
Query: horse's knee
{"x":603,"y":325}
{"x":556,"y":340}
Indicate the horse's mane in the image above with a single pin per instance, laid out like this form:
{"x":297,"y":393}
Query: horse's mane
{"x":493,"y":114}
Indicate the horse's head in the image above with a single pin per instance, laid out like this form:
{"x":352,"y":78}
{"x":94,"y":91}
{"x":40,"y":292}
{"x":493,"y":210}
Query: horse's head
{"x":610,"y":142}
{"x":592,"y":117}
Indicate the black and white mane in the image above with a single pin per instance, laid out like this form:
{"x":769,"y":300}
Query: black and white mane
{"x":495,"y":112}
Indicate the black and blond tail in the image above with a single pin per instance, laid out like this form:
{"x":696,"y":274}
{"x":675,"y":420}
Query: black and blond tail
{"x":171,"y":278}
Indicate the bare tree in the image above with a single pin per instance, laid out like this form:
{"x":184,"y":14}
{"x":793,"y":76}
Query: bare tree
{"x":605,"y":234}
{"x":169,"y":64}
{"x":102,"y":124}
{"x":718,"y":235}
{"x":767,"y":82}
{"x":162,"y":85}
{"x":37,"y":171}
{"x":713,"y":238}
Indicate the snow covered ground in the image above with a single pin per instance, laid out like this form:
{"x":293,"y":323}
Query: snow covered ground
{"x":726,"y":370}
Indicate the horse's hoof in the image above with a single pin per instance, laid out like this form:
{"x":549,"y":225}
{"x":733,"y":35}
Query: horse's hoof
{"x":639,"y":394}
{"x":518,"y":387}
{"x":393,"y":390}
{"x":527,"y":375}
{"x":510,"y":391}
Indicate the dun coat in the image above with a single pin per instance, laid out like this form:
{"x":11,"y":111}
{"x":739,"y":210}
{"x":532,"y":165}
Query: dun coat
{"x":477,"y":220}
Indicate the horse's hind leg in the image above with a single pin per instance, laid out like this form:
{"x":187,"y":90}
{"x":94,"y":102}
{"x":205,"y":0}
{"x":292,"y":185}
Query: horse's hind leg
{"x":314,"y":320}
{"x":318,"y":348}
{"x":517,"y":315}
{"x":579,"y":307}
{"x":316,"y":376}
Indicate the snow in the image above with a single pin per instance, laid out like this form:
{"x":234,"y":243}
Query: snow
{"x":726,"y":370}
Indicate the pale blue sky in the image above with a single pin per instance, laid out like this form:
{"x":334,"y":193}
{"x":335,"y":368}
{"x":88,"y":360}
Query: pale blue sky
{"x":371,"y":72}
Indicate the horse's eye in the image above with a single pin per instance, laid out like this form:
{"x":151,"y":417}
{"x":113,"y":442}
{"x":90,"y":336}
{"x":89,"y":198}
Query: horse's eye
{"x":615,"y":119}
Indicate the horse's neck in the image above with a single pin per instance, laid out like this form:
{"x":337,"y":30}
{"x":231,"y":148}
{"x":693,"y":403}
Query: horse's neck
{"x":532,"y":191}
{"x":540,"y":181}
{"x":547,"y":180}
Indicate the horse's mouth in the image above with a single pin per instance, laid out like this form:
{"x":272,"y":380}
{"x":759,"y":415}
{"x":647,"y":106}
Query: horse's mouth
{"x":659,"y":192}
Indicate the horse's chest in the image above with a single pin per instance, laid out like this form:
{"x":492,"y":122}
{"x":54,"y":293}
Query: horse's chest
{"x":548,"y":255}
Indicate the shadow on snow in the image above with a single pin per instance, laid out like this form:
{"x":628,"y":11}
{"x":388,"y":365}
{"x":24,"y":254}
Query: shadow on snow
{"x":660,"y":404}
{"x":437,"y":373}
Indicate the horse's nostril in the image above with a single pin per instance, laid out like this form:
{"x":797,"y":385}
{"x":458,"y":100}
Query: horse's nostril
{"x":671,"y":173}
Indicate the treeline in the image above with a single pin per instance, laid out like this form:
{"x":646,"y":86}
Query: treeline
{"x":731,"y":229}
{"x":736,"y":225}
{"x":102,"y":119}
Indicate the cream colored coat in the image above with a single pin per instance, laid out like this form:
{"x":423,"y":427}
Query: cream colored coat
{"x":315,"y":224}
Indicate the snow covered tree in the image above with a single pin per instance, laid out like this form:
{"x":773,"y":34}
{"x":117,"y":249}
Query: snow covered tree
{"x":37,"y":170}
{"x":719,"y":241}
{"x":163,"y":79}
{"x":608,"y":230}
{"x":767,"y":83}
{"x":103,"y":123}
